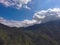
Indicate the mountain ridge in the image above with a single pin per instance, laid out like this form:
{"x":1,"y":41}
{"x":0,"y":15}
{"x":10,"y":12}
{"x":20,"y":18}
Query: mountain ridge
{"x":39,"y":34}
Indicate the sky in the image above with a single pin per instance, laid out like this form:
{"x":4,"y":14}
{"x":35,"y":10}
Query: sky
{"x":28,"y":12}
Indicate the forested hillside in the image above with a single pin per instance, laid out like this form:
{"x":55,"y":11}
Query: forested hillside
{"x":39,"y":34}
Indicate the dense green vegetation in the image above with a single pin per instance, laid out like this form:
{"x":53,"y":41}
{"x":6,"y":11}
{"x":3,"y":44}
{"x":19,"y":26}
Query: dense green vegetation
{"x":25,"y":39}
{"x":43,"y":34}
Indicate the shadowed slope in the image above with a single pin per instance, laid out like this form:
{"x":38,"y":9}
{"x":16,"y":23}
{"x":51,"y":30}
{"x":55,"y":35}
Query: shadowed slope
{"x":41,"y":34}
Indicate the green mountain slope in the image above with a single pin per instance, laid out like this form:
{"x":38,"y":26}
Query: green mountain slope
{"x":41,"y":34}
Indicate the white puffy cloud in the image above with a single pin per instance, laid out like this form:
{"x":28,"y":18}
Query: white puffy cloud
{"x":47,"y":15}
{"x":13,"y":23}
{"x":16,"y":3}
{"x":39,"y":17}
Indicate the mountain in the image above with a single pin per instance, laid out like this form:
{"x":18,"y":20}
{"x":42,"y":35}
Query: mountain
{"x":51,"y":29}
{"x":39,"y":34}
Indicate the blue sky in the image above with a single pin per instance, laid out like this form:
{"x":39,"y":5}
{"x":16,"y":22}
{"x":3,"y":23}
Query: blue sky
{"x":12,"y":13}
{"x":23,"y":13}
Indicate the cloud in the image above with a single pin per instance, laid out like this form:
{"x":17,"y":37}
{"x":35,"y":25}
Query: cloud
{"x":13,"y":23}
{"x":47,"y":15}
{"x":16,"y":3}
{"x":39,"y":17}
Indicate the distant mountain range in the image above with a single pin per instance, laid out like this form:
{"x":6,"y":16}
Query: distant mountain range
{"x":38,"y":34}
